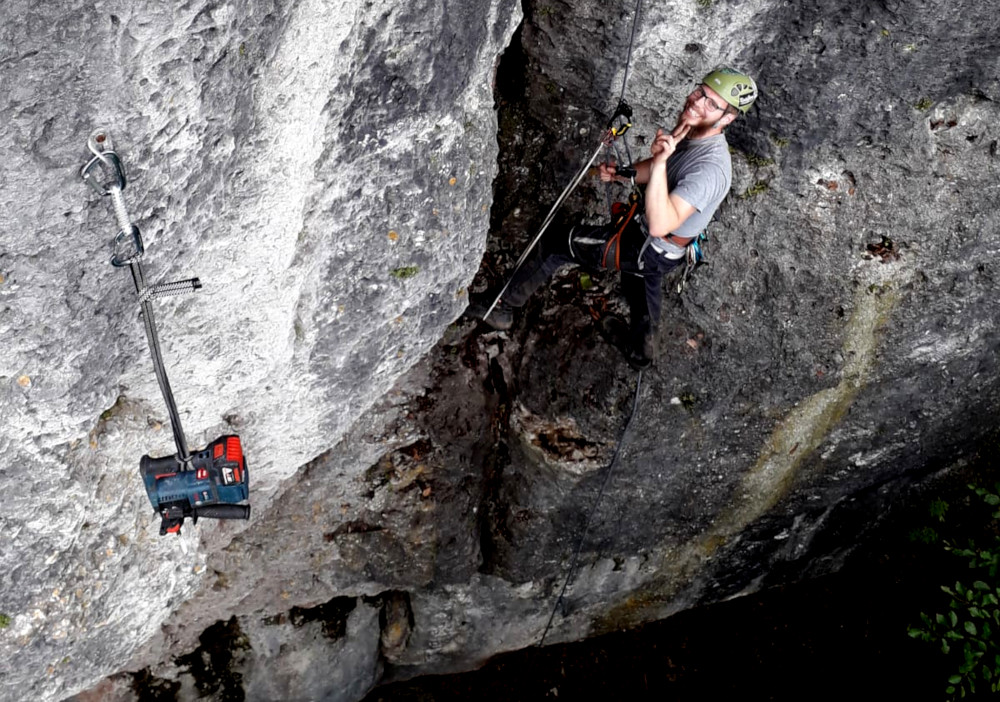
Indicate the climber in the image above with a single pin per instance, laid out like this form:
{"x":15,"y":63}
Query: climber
{"x":680,"y":200}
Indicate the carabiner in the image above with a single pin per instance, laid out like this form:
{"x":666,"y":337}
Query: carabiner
{"x":623,"y":110}
{"x":99,"y":144}
{"x":119,"y":258}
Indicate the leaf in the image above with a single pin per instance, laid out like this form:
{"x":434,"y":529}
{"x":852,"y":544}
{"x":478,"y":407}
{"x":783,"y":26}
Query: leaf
{"x":959,"y":588}
{"x":939,"y":618}
{"x":949,"y":690}
{"x":971,"y":628}
{"x":953,"y":618}
{"x":980,"y":585}
{"x":991,"y":499}
{"x":955,"y":679}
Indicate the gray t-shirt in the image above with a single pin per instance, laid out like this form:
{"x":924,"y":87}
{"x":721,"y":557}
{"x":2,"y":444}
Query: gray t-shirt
{"x":700,"y":171}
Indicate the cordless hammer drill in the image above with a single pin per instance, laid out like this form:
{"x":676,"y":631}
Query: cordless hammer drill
{"x":210,"y":487}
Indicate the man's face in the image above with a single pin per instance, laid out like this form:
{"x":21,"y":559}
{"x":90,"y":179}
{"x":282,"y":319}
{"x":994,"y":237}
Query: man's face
{"x":703,"y":107}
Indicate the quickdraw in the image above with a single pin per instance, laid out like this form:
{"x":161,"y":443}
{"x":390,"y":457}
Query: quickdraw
{"x":127,"y":250}
{"x":694,"y":255}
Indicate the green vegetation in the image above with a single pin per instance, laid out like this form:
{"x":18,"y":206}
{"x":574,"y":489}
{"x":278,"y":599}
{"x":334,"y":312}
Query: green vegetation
{"x":404,"y":272}
{"x":758,"y":188}
{"x":924,"y":104}
{"x":753,"y":159}
{"x":4,"y":621}
{"x":703,"y":3}
{"x":758,"y":161}
{"x":779,"y":141}
{"x":966,"y":632}
{"x":938,"y":508}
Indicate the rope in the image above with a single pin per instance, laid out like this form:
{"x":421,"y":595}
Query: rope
{"x":593,"y":510}
{"x":545,"y":225}
{"x":631,"y":41}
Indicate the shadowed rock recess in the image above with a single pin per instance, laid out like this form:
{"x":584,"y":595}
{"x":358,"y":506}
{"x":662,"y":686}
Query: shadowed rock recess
{"x":331,"y":172}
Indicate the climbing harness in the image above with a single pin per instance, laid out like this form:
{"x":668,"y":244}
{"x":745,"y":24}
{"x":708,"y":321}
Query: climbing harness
{"x":613,"y":246}
{"x":208,"y":483}
{"x":593,"y":509}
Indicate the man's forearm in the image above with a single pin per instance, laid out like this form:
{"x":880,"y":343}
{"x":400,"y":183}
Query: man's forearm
{"x":642,"y":170}
{"x":661,"y":215}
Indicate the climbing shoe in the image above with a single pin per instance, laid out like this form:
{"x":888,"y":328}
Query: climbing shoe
{"x":501,"y":318}
{"x":637,"y":358}
{"x":616,"y":332}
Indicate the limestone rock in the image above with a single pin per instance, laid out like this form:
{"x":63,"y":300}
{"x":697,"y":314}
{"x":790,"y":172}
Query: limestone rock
{"x":324,"y":167}
{"x":327,"y":170}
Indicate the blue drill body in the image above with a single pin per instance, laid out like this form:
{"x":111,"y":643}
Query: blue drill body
{"x":212,"y":484}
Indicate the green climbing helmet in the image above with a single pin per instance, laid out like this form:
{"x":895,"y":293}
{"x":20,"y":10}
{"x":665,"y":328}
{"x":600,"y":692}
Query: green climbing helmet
{"x":738,"y":89}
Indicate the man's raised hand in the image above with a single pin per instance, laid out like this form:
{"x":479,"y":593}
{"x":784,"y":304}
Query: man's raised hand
{"x":665,"y":144}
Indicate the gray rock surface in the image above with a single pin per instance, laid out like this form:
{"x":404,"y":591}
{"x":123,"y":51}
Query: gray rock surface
{"x":324,"y":167}
{"x":419,"y":488}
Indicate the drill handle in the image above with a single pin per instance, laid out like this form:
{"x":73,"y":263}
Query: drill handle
{"x":159,"y":466}
{"x":222,"y":512}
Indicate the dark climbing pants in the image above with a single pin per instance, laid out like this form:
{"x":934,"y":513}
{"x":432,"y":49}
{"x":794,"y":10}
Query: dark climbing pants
{"x":642,"y":267}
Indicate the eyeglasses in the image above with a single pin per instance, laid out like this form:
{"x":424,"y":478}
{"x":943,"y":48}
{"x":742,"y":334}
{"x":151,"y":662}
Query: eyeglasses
{"x":700,"y":94}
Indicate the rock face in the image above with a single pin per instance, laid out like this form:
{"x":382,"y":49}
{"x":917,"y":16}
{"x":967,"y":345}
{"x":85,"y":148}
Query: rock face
{"x":324,"y":167}
{"x":327,"y":169}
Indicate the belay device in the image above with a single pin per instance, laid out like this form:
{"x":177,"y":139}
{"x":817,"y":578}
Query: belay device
{"x":209,"y":483}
